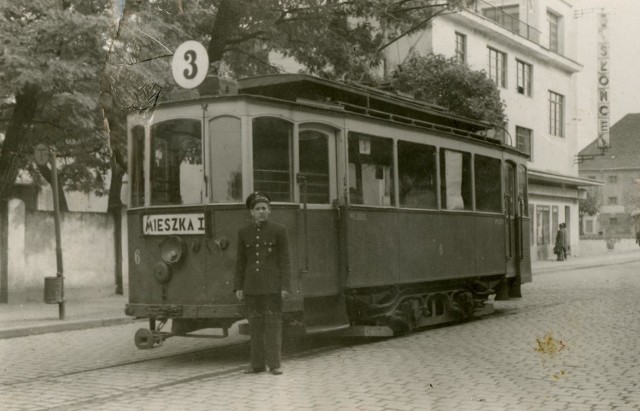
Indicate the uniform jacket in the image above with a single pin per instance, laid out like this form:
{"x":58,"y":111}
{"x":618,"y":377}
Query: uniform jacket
{"x":263,"y":264}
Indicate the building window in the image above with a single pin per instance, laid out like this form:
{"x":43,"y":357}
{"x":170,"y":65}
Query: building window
{"x":555,"y":31}
{"x":613,"y":220}
{"x":589,"y":227}
{"x":461,"y":47}
{"x":612,"y":179}
{"x":524,"y":75}
{"x":591,"y":177}
{"x":498,"y":67}
{"x":523,"y":140}
{"x":612,"y":200}
{"x":543,"y":230}
{"x":556,"y":114}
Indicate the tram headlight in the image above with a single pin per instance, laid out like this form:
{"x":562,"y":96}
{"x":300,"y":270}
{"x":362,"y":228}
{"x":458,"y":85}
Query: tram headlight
{"x":172,"y":250}
{"x":162,"y":272}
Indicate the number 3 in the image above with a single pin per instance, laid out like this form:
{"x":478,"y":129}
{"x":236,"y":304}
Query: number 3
{"x":190,"y":58}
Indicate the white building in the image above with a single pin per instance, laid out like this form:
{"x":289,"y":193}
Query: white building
{"x":529,"y":48}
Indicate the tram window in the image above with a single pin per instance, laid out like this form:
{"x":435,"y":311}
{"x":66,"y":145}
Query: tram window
{"x":522,"y":188}
{"x":177,"y":175}
{"x":226,"y":159}
{"x":487,"y":172}
{"x":370,"y":170}
{"x":455,"y":173}
{"x":417,"y":169}
{"x":314,"y":165}
{"x":137,"y":166}
{"x":272,"y":157}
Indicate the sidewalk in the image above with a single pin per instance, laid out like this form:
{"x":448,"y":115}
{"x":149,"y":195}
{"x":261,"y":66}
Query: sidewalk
{"x":19,"y":320}
{"x":31,"y":318}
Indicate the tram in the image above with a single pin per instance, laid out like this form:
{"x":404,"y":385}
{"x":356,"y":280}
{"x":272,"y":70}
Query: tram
{"x":400,"y":214}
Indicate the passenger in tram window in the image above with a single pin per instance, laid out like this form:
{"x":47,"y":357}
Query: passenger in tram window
{"x":262,"y":281}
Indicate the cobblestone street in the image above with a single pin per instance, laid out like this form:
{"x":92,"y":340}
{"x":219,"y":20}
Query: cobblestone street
{"x":570,"y":343}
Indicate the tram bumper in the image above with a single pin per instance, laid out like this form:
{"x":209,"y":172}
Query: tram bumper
{"x":230,"y":311}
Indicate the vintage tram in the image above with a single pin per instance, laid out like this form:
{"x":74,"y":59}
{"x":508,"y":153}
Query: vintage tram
{"x":400,"y":214}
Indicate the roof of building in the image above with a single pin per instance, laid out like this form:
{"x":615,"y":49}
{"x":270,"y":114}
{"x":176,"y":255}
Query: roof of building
{"x":625,"y":147}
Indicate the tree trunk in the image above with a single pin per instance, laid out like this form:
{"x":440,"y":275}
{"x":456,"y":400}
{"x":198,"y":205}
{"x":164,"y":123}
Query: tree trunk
{"x":47,"y":174}
{"x":224,"y":27}
{"x":115,"y":207}
{"x":15,"y":146}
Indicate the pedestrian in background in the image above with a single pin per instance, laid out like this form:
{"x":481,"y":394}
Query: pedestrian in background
{"x":565,"y":241}
{"x":558,"y":248}
{"x":262,"y":281}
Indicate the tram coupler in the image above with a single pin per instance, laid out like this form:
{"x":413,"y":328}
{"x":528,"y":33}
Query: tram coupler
{"x":147,"y":339}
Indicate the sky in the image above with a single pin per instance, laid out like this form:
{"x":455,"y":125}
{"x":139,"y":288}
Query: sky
{"x":624,"y":43}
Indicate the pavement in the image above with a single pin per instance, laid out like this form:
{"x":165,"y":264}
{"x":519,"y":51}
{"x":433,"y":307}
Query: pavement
{"x":32,"y":318}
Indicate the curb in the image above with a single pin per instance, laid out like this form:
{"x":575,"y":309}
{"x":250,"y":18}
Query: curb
{"x":579,"y":267}
{"x":64,"y":326}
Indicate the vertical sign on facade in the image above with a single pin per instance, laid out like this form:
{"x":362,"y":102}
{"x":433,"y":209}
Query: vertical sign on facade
{"x":603,"y":81}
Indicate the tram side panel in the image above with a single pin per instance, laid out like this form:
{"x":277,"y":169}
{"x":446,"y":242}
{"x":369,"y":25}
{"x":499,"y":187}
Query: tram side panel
{"x":489,"y":245}
{"x":372,"y":248}
{"x":435,"y":246}
{"x":394,"y":247}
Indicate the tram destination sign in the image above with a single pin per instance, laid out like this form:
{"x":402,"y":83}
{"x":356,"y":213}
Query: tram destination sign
{"x":171,"y":224}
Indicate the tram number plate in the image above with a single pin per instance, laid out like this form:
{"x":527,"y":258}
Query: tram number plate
{"x":358,"y":216}
{"x":169,"y":224}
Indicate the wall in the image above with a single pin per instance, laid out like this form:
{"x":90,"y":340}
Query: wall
{"x":87,"y":248}
{"x":598,"y":247}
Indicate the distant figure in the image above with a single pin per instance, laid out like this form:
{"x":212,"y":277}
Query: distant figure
{"x":637,"y":218}
{"x":558,"y":249}
{"x":565,"y":238}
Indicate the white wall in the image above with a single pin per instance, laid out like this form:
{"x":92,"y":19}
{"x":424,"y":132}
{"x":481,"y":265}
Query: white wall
{"x":87,"y":253}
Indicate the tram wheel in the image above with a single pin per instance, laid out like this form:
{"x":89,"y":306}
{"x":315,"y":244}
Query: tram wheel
{"x":144,"y":339}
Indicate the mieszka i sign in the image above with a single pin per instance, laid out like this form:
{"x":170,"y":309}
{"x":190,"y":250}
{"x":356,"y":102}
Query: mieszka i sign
{"x":190,"y":64}
{"x":603,"y":81}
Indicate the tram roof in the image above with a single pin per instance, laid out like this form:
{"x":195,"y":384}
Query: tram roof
{"x":353,"y":97}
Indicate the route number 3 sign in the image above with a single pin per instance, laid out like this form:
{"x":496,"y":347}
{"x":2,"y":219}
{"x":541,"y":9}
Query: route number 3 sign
{"x":190,"y":64}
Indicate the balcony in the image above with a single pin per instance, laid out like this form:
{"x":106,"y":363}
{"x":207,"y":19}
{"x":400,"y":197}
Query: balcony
{"x":507,"y":17}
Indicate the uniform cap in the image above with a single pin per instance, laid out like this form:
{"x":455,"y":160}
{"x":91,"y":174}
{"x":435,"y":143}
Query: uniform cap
{"x":257,"y":197}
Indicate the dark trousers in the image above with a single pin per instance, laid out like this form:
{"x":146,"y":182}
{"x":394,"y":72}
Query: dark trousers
{"x":264,"y":313}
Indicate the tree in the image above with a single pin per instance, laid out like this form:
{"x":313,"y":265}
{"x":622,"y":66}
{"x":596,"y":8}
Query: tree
{"x":448,"y":83}
{"x":590,"y":205}
{"x":53,"y":51}
{"x":332,"y":39}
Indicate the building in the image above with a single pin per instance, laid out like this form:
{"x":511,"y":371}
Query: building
{"x":619,"y":169}
{"x":528,"y":48}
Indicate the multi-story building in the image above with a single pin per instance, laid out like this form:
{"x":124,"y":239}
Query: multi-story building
{"x":619,"y":169}
{"x":528,"y":48}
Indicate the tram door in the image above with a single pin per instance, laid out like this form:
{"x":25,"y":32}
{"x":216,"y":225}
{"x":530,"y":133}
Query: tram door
{"x":515,"y":238}
{"x":511,"y":211}
{"x":318,"y":232}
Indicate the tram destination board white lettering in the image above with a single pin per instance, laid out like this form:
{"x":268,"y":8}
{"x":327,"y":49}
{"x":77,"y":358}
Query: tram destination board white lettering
{"x":168,"y":224}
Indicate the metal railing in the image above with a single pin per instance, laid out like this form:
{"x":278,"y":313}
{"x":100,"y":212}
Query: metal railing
{"x":504,"y":19}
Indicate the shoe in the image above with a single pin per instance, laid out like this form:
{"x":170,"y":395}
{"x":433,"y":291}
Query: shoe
{"x":252,"y":370}
{"x":276,"y":371}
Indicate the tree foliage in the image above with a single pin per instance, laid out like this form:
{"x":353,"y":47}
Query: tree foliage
{"x":448,"y":83}
{"x":52,"y":55}
{"x":93,"y":63}
{"x":590,"y":205}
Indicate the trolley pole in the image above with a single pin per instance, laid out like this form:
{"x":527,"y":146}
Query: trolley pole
{"x":56,"y":218}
